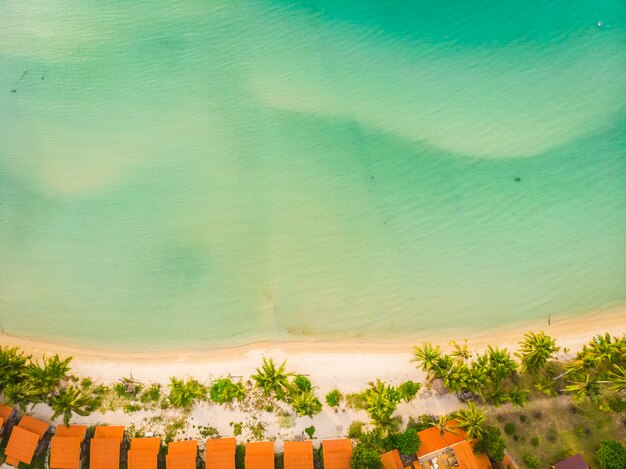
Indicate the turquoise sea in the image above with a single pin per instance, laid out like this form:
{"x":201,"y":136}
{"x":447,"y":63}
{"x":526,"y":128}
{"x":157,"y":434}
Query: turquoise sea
{"x":209,"y":173}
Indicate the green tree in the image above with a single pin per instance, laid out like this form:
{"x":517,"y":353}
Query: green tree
{"x":500,"y":365}
{"x":408,"y":390}
{"x":546,"y":386}
{"x":611,"y":455}
{"x":22,"y":394}
{"x":225,"y":391}
{"x":491,"y":442}
{"x":184,"y":394}
{"x":334,"y":398}
{"x":12,"y":366}
{"x":427,"y":357}
{"x":586,"y":387}
{"x":306,"y":404}
{"x":70,"y":400}
{"x":273,"y":380}
{"x":618,"y":378}
{"x":471,"y":419}
{"x":365,"y":457}
{"x":518,"y":397}
{"x":535,"y":351}
{"x":302,"y":383}
{"x":49,"y":374}
{"x":382,"y":400}
{"x":407,"y":442}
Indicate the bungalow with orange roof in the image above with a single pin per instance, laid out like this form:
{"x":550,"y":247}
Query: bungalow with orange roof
{"x":220,"y":453}
{"x":260,"y":455}
{"x":7,"y":416}
{"x":182,"y":454}
{"x":392,"y":460}
{"x":25,"y":439}
{"x":298,"y":455}
{"x":337,"y":454}
{"x":66,"y":447}
{"x":144,"y":453}
{"x":448,"y":449}
{"x":105,"y":447}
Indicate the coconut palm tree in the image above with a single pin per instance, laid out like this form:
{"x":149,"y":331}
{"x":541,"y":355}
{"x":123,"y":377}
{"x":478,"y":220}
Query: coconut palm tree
{"x":12,"y":365}
{"x":546,"y":386}
{"x":618,"y":378}
{"x":427,"y":357}
{"x":68,"y":400}
{"x":460,"y":353}
{"x":381,"y":400}
{"x":518,"y":397}
{"x":500,"y":364}
{"x":272,"y":379}
{"x":603,"y":348}
{"x":497,"y":395}
{"x":444,"y":424}
{"x":183,"y":394}
{"x":588,"y":387}
{"x":306,"y":404}
{"x":49,"y":375}
{"x":535,"y":351}
{"x":471,"y":419}
{"x":22,"y":394}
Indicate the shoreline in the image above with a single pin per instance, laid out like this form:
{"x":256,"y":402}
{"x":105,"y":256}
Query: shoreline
{"x":569,"y":331}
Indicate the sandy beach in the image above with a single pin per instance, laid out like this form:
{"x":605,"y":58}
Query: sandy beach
{"x":348,"y":366}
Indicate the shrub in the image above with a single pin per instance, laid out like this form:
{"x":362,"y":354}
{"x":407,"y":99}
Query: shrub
{"x":334,"y":398}
{"x":184,"y":394}
{"x":310,"y":431}
{"x":225,"y":391}
{"x":523,"y":418}
{"x":237,"y":428}
{"x":581,"y":431}
{"x":208,"y":432}
{"x":356,"y":401}
{"x":365,"y":457}
{"x":306,"y":404}
{"x":356,"y":429}
{"x":302,"y":383}
{"x":509,"y":428}
{"x":407,"y":442}
{"x":491,"y":442}
{"x":534,"y":441}
{"x":151,"y":394}
{"x":551,"y":435}
{"x":611,"y":455}
{"x":130,"y":408}
{"x":531,"y":461}
{"x":408,"y":390}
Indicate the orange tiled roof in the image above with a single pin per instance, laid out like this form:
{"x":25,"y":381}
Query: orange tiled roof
{"x":34,"y":425}
{"x":110,"y":431}
{"x":104,"y":453}
{"x":260,"y":455}
{"x":152,"y":445}
{"x":143,"y":453}
{"x":22,"y":445}
{"x":182,"y":454}
{"x":337,"y":454}
{"x":76,"y":431}
{"x":298,"y":455}
{"x":433,"y":440}
{"x":1,"y":422}
{"x":5,"y":412}
{"x":467,"y":459}
{"x":391,"y":460}
{"x":65,"y":452}
{"x":220,"y":453}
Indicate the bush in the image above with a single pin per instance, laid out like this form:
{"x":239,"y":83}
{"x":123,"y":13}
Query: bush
{"x":356,"y":429}
{"x":184,"y":394}
{"x":611,"y":455}
{"x":356,"y":401}
{"x":491,"y":443}
{"x":302,"y":383}
{"x":581,"y":431}
{"x":225,"y":391}
{"x":423,"y":422}
{"x":237,"y":428}
{"x":523,"y":418}
{"x":334,"y":398}
{"x":509,"y":428}
{"x":531,"y":461}
{"x":151,"y":394}
{"x":534,"y":441}
{"x":407,"y":442}
{"x":310,"y":431}
{"x":365,"y":457}
{"x":408,"y":390}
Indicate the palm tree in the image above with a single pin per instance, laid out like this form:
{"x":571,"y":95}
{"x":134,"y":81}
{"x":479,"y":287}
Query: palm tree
{"x":22,"y":394}
{"x":536,"y":350}
{"x":272,"y":379}
{"x":443,"y":424}
{"x":603,"y":348}
{"x":471,"y":419}
{"x":68,"y":400}
{"x":12,"y":365}
{"x":427,"y":356}
{"x":500,"y":363}
{"x":618,"y":378}
{"x":460,"y":352}
{"x":306,"y":404}
{"x":546,"y":386}
{"x":381,"y":400}
{"x":585,"y":388}
{"x":48,"y":376}
{"x":183,"y":394}
{"x":497,"y":395}
{"x":518,"y":397}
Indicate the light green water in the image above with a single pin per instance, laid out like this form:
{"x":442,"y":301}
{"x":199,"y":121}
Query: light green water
{"x":199,"y":174}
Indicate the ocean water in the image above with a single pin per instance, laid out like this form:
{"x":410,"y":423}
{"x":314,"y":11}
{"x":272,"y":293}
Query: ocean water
{"x":210,"y":173}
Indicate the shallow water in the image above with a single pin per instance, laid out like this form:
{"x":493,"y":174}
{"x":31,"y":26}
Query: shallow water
{"x":196,"y":173}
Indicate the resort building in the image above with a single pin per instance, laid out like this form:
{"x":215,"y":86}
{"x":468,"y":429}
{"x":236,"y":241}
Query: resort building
{"x":7,"y":416}
{"x":182,"y":454}
{"x":574,"y":462}
{"x":392,"y":460}
{"x":337,"y":454}
{"x":298,"y":455}
{"x":24,"y":441}
{"x":446,"y":449}
{"x":220,"y":453}
{"x":105,"y":447}
{"x":144,"y":453}
{"x":66,"y":447}
{"x":260,"y":455}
